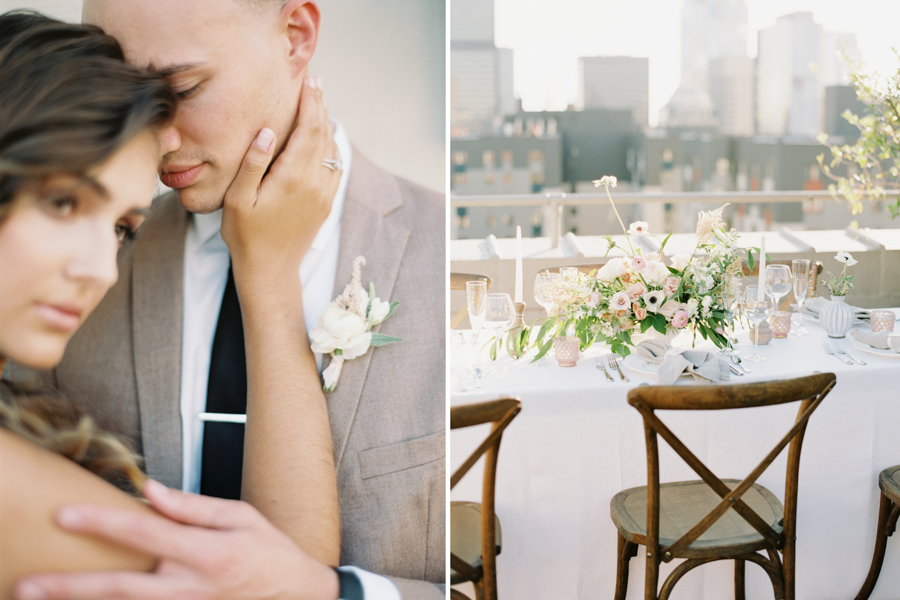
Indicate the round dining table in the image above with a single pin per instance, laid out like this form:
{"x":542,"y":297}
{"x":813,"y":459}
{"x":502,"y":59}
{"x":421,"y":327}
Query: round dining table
{"x":577,"y":442}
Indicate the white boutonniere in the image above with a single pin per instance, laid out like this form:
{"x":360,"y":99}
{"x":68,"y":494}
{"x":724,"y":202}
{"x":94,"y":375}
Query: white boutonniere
{"x":345,"y":330}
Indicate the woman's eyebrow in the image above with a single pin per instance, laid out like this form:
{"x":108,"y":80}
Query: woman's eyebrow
{"x":173,"y":69}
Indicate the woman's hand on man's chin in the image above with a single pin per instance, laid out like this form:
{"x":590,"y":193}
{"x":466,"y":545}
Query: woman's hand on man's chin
{"x":208,"y":548}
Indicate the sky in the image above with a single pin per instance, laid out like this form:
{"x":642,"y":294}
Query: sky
{"x":548,"y":38}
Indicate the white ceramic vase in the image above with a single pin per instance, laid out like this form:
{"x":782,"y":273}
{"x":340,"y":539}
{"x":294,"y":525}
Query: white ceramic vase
{"x":837,"y":317}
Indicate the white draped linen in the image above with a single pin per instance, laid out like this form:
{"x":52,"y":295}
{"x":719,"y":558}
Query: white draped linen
{"x":577,"y":442}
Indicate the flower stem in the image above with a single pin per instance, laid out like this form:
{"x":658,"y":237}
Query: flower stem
{"x":625,"y":231}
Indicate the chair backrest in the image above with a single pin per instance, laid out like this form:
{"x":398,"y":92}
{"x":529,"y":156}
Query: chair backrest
{"x":809,"y":391}
{"x":458,"y":280}
{"x":500,"y":414}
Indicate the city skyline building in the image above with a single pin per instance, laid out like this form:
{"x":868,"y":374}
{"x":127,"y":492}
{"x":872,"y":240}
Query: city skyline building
{"x":481,"y":75}
{"x":615,"y":83}
{"x":797,"y":61}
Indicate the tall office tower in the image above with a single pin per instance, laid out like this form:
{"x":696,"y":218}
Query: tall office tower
{"x":797,"y":60}
{"x":711,"y":30}
{"x":481,"y":75}
{"x":731,"y":82}
{"x":615,"y":83}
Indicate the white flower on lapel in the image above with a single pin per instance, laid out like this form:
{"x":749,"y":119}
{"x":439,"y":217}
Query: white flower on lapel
{"x":345,"y":328}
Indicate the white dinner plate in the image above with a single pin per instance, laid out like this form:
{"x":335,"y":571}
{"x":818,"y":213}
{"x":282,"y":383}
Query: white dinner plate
{"x":879,"y":351}
{"x":639,"y":365}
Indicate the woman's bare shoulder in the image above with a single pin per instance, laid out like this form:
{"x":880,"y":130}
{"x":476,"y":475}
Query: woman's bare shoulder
{"x":34,"y":483}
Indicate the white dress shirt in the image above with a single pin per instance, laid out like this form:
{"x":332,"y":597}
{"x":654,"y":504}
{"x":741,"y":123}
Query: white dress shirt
{"x":206,"y":263}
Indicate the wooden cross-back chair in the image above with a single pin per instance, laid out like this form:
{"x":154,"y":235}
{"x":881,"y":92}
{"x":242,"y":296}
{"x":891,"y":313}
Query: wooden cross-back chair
{"x":714,"y":519}
{"x":475,"y":537}
{"x":888,"y":513}
{"x":458,"y":282}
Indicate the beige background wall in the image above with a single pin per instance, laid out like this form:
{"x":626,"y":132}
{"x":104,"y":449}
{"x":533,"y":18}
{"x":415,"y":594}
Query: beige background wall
{"x":382,"y":68}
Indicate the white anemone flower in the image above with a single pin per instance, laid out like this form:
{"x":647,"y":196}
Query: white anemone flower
{"x":654,"y":300}
{"x":846,"y":258}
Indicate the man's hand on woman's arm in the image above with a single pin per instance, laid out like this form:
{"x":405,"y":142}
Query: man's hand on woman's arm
{"x":208,"y":548}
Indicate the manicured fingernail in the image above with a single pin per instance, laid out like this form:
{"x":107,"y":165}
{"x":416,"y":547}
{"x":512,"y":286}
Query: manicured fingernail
{"x":70,"y":518}
{"x":318,"y":82}
{"x":29,"y":591}
{"x":264,"y":139}
{"x":311,"y":82}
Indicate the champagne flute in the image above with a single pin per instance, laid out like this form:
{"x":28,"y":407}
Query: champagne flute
{"x":778,"y":282}
{"x":543,"y":287}
{"x":475,"y":293}
{"x":801,"y":286}
{"x":498,"y":313}
{"x":757,"y":310}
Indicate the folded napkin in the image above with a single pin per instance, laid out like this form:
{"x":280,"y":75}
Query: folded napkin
{"x":813,"y":306}
{"x":704,"y":366}
{"x":884,"y":340}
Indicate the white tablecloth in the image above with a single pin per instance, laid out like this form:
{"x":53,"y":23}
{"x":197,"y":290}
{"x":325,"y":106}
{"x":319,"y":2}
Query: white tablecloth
{"x":577,"y":443}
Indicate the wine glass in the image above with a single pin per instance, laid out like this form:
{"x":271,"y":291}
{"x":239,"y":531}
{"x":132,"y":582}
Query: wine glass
{"x":757,"y":310}
{"x":543,"y":286}
{"x":475,"y":293}
{"x":801,"y":286}
{"x":778,"y":282}
{"x":568,"y":273}
{"x":498,"y":313}
{"x":731,"y":298}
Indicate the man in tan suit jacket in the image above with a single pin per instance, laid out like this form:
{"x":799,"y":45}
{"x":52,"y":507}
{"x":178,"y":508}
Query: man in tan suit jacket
{"x":387,"y":413}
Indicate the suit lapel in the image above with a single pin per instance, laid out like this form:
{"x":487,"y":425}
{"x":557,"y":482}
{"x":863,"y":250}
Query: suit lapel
{"x":158,"y":284}
{"x":367,"y":229}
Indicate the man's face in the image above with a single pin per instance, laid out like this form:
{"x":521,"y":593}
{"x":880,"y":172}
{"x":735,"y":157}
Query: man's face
{"x":230,"y":65}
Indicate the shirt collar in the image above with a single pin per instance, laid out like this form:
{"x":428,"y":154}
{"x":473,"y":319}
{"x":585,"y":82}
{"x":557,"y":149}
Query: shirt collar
{"x":209,"y":225}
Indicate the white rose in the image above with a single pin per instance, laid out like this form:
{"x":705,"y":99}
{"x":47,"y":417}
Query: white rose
{"x":378,"y":312}
{"x":341,"y":330}
{"x":655,"y":273}
{"x":707,"y":300}
{"x":669,"y":309}
{"x":611,"y":270}
{"x":680,"y":261}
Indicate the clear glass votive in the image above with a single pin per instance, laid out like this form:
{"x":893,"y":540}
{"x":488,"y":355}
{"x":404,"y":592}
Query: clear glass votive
{"x":882,"y":320}
{"x":781,"y":323}
{"x":566,"y":348}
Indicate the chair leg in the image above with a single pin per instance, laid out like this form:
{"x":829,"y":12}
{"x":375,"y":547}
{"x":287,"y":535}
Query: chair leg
{"x":881,"y":536}
{"x":739,"y":588}
{"x":651,"y":582}
{"x":625,"y":552}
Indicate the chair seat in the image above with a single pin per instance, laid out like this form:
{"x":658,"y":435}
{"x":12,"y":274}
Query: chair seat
{"x":683,"y":505}
{"x":465,"y":535}
{"x":889,"y":482}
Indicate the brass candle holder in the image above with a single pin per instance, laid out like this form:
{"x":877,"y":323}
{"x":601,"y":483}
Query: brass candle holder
{"x":515,"y":330}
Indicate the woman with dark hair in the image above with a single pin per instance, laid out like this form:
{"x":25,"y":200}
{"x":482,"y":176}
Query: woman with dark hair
{"x":78,"y":165}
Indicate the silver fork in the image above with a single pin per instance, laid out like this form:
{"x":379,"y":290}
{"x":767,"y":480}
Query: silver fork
{"x":843,"y":352}
{"x":736,"y":360}
{"x":828,"y":350}
{"x":599,"y":364}
{"x":614,"y":365}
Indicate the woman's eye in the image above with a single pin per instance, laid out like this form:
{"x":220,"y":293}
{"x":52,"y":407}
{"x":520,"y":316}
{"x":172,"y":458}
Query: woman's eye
{"x":188,"y":93}
{"x":62,"y":206}
{"x":124,"y":232}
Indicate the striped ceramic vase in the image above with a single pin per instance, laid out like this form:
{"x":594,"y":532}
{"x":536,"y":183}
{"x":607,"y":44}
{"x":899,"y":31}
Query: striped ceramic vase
{"x":837,"y":317}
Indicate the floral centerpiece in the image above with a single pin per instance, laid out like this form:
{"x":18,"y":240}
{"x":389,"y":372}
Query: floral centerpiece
{"x":640,"y":293}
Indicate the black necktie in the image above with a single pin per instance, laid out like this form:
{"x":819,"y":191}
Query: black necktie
{"x":223,"y":443}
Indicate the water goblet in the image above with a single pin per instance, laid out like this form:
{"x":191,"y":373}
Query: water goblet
{"x":543,"y":286}
{"x":498,"y":313}
{"x":757,"y":310}
{"x":778,"y":282}
{"x":801,"y":286}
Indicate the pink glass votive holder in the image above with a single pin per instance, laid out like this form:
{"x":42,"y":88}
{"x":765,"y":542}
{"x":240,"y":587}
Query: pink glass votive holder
{"x":781,"y":323}
{"x":882,"y":320}
{"x":566,"y":348}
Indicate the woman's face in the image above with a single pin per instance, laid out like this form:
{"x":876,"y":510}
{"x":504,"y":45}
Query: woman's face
{"x":58,"y":247}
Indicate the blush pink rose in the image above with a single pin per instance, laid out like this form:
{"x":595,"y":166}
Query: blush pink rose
{"x":640,"y":313}
{"x":593,"y":300}
{"x":619,"y":302}
{"x":638,"y":263}
{"x":680,"y":319}
{"x":671,"y":284}
{"x":636,"y":290}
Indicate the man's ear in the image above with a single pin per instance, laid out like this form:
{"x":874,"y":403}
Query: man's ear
{"x":300,"y":19}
